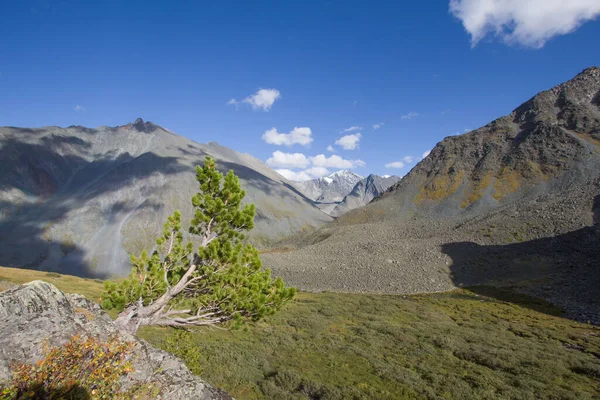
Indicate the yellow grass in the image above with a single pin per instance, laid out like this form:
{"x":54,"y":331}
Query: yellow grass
{"x":90,"y":288}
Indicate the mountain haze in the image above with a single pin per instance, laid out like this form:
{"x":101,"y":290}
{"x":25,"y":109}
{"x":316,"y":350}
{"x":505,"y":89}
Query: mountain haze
{"x":77,"y":200}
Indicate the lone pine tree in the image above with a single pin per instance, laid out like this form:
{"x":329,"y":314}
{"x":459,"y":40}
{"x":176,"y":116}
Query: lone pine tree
{"x":219,"y":282}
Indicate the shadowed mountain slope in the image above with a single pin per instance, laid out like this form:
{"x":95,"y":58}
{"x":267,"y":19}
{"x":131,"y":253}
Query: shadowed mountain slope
{"x":77,"y":200}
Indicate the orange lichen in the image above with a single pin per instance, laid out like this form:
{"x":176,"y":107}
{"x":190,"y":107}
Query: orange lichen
{"x":507,"y":182}
{"x":477,"y":190}
{"x":440,"y":187}
{"x":590,"y":139}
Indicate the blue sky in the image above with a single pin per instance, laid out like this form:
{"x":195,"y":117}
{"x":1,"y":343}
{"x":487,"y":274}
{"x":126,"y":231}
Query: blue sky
{"x":422,"y":70}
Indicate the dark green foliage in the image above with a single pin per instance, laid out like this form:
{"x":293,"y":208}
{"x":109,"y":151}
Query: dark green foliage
{"x":220,"y":281}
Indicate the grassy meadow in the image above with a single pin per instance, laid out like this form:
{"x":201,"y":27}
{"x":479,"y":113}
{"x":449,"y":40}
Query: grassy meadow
{"x":482,"y":343}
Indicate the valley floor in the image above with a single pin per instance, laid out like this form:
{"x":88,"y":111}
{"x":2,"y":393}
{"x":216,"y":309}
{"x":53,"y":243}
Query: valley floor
{"x":477,"y":343}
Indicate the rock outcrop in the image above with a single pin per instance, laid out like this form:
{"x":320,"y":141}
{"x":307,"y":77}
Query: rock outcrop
{"x":38,"y":314}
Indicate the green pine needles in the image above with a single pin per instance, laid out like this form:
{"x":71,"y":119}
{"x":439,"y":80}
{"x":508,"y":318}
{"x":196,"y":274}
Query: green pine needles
{"x":220,"y":282}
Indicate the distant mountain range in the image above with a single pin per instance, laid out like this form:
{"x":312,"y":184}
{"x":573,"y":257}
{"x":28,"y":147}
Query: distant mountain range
{"x":330,"y":189}
{"x":77,"y":200}
{"x":363,"y":192}
{"x":344,"y":190}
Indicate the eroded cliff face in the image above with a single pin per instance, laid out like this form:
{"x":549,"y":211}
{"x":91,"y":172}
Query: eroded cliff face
{"x":38,"y":315}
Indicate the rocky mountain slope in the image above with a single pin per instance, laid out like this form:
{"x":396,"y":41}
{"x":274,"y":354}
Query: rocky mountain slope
{"x":365,"y":190}
{"x":77,"y":200}
{"x":512,"y":203}
{"x":543,"y":146}
{"x":328,"y":191}
{"x":37,"y":314}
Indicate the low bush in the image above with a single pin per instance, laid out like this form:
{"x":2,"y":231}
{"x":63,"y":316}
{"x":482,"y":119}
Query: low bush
{"x":83,"y":368}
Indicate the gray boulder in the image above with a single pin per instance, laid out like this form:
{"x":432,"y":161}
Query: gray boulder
{"x":37,"y":313}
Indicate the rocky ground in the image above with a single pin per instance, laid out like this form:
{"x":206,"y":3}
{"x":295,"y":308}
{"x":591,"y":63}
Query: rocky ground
{"x":546,"y":246}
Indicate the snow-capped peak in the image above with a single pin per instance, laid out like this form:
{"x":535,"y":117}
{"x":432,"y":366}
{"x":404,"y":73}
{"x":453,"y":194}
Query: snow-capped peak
{"x":327,"y":179}
{"x":386,"y":176}
{"x":344,"y":173}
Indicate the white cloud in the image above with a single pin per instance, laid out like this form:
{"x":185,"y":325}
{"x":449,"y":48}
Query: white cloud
{"x":335,"y":161}
{"x":408,"y":159}
{"x":78,"y":108}
{"x":410,"y":115}
{"x":234,"y":102}
{"x":425,"y":154}
{"x":302,"y":136}
{"x":288,"y":160}
{"x":349,"y":142}
{"x":317,"y":172}
{"x":308,"y":174}
{"x":530,"y":23}
{"x":352,"y":129}
{"x":319,"y":165}
{"x":379,"y":125}
{"x":395,"y":164}
{"x":293,"y":176}
{"x":263,"y":99}
{"x":330,"y":149}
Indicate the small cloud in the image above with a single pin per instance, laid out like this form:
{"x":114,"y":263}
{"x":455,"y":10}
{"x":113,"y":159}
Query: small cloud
{"x":263,"y":99}
{"x":445,"y":112}
{"x":395,"y":164}
{"x":306,"y":175}
{"x":330,"y":149}
{"x":288,"y":160}
{"x":410,"y":115}
{"x":335,"y":161}
{"x":468,"y":130}
{"x":529,"y":23}
{"x":78,"y":108}
{"x":352,"y":129}
{"x":379,"y":125}
{"x":349,"y":142}
{"x":408,"y":159}
{"x":302,"y":136}
{"x":425,"y":154}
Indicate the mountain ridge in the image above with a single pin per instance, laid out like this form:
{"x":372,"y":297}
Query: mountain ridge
{"x":78,"y":199}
